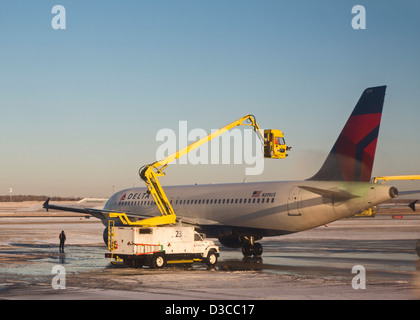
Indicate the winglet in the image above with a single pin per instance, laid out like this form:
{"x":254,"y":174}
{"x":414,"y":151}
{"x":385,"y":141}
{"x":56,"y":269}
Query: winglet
{"x":412,"y":205}
{"x":46,"y":204}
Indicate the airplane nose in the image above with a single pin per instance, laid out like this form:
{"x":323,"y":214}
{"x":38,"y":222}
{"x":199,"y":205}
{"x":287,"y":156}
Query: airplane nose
{"x":393,"y":192}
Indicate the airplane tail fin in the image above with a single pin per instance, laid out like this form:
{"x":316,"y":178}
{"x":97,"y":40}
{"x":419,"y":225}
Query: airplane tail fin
{"x":351,"y":158}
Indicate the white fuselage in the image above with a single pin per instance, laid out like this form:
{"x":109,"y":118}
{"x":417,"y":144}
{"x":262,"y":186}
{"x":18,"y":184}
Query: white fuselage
{"x":274,"y":208}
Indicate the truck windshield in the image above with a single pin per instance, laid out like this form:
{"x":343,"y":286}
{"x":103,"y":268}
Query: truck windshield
{"x":280,"y":140}
{"x":197,"y":237}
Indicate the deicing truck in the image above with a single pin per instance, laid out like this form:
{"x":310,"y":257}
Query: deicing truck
{"x":158,"y":246}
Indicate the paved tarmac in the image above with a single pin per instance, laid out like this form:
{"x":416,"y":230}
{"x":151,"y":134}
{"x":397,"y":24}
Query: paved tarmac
{"x":315,"y":264}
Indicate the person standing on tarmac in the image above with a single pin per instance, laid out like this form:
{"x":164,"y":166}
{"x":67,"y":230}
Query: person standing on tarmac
{"x":62,"y":238}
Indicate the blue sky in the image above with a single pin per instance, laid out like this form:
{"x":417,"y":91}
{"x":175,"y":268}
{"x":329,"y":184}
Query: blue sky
{"x":81,"y":107}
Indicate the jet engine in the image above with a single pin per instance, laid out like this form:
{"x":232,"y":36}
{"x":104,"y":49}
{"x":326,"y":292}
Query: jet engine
{"x":105,"y":236}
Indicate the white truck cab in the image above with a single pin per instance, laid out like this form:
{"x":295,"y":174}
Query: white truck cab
{"x":158,"y":246}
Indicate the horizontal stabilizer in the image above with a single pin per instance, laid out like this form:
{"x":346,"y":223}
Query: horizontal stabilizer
{"x":333,"y":194}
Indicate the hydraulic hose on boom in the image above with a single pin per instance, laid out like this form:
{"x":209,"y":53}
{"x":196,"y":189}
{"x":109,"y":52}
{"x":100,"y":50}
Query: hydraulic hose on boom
{"x":274,"y":147}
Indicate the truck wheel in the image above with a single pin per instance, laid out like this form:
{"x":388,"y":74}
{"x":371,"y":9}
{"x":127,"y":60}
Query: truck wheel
{"x":158,"y":261}
{"x":211,"y":259}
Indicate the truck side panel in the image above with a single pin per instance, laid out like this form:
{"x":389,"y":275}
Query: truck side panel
{"x":122,"y":239}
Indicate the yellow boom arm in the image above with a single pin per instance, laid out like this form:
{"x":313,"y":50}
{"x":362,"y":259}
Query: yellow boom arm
{"x":389,"y":178}
{"x":273,"y":148}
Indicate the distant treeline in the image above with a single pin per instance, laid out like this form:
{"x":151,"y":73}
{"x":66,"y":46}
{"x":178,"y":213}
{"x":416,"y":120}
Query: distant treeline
{"x":20,"y":198}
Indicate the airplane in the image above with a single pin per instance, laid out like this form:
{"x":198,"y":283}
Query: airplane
{"x":239,"y":214}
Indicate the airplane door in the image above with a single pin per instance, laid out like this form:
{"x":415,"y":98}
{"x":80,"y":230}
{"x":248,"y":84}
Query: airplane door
{"x":293,"y":202}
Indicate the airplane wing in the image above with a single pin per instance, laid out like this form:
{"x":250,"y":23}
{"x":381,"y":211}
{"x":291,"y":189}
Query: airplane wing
{"x":97,"y":213}
{"x":103,"y":214}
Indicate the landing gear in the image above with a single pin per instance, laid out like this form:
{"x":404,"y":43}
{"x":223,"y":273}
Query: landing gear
{"x":258,"y":250}
{"x":251,"y":248}
{"x":255,"y":250}
{"x":247,"y":243}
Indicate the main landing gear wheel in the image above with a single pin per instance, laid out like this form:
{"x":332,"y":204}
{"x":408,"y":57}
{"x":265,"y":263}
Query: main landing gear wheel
{"x":255,"y":250}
